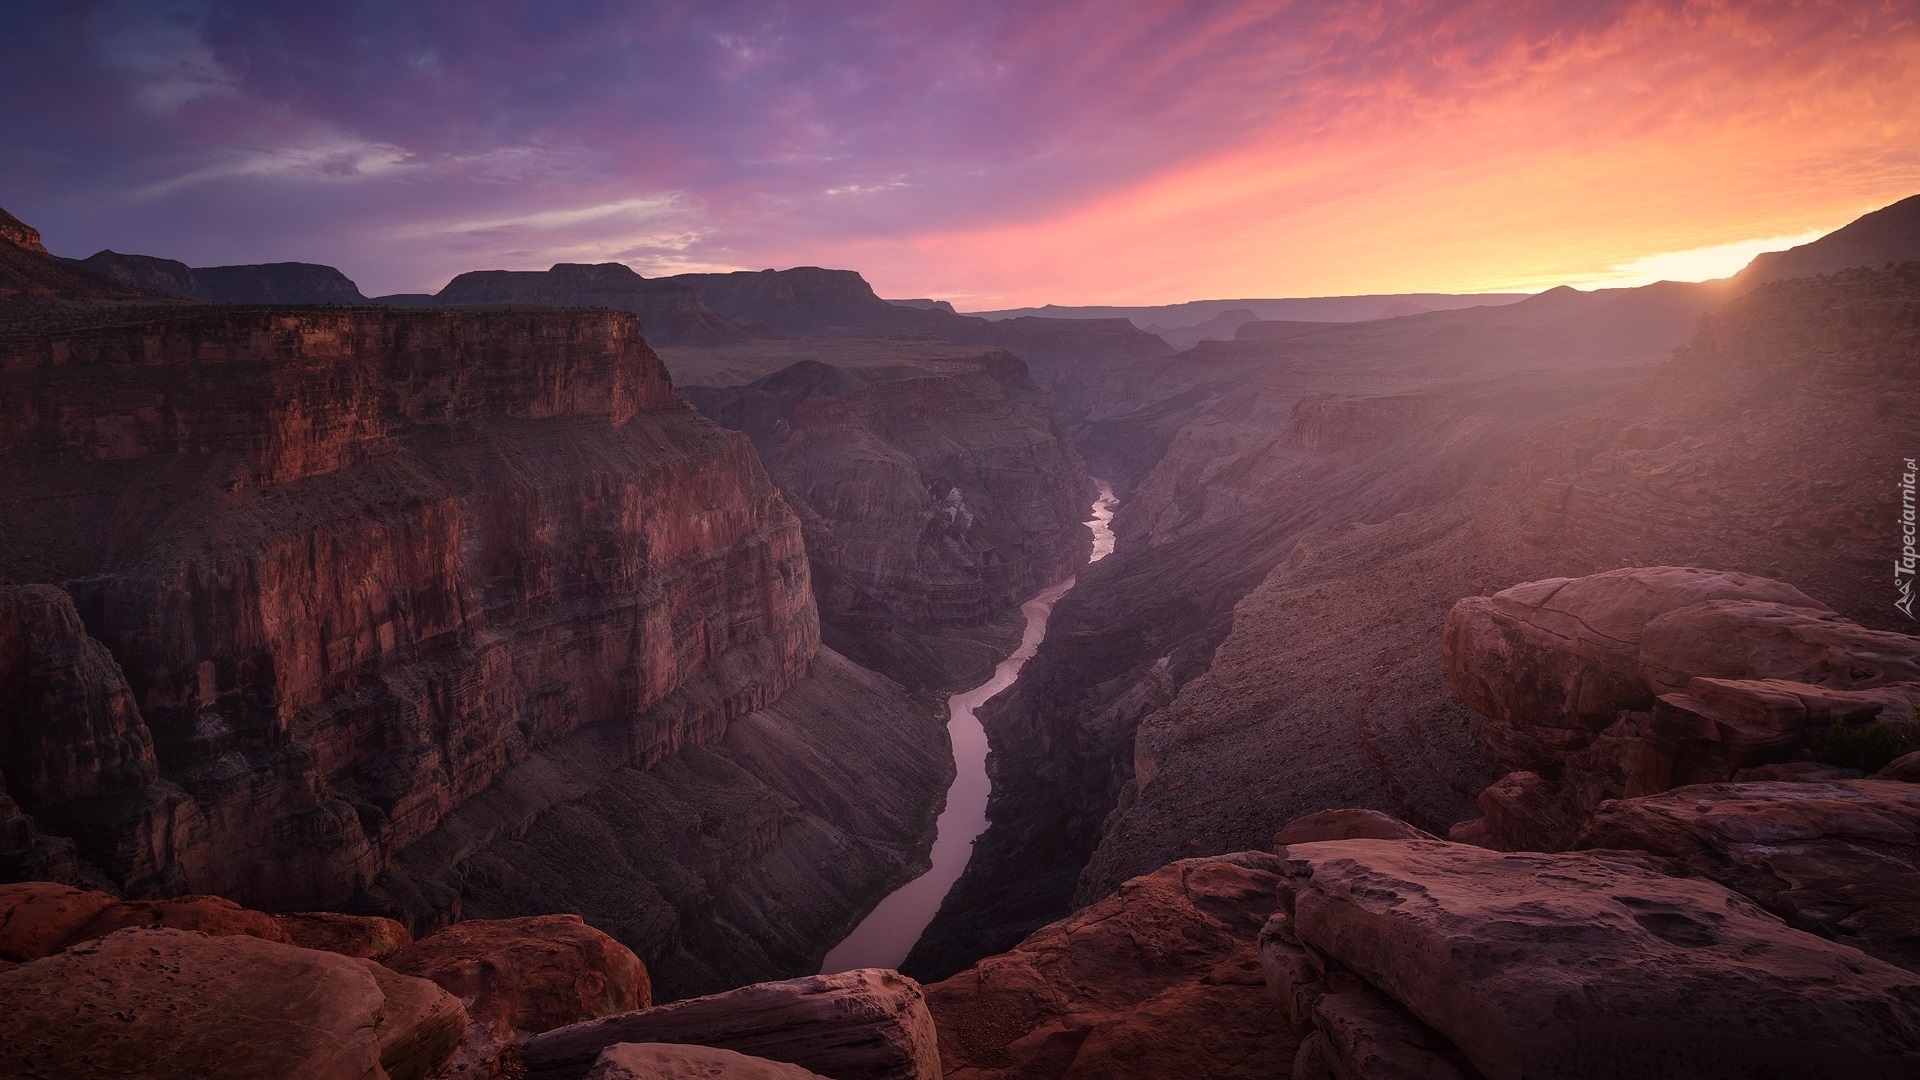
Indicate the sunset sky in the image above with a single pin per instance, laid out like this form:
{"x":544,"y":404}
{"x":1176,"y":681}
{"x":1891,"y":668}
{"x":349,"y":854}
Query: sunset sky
{"x":995,"y":154}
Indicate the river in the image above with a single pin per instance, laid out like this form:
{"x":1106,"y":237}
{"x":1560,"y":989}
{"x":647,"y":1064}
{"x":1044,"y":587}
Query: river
{"x":884,"y":937}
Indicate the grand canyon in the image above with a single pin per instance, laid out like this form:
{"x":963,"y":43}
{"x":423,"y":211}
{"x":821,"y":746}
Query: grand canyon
{"x":644,"y":667}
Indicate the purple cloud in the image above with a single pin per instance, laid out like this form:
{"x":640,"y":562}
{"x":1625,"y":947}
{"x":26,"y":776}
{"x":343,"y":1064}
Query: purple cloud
{"x":407,"y":142}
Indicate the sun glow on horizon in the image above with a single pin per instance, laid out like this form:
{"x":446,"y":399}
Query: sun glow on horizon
{"x":1695,"y":264}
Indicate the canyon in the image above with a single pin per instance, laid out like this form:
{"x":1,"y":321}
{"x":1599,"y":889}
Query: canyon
{"x":1558,"y":626}
{"x":935,"y":497}
{"x":390,"y":592}
{"x":1306,"y":502}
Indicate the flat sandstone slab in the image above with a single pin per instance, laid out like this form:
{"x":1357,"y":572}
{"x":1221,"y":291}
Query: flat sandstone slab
{"x":1590,"y":965}
{"x":869,"y":1024}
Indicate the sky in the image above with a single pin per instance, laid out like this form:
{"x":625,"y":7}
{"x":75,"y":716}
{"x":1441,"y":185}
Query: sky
{"x":993,"y":154}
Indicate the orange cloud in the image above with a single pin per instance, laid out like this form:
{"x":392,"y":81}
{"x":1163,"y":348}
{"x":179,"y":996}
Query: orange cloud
{"x":1513,"y":166}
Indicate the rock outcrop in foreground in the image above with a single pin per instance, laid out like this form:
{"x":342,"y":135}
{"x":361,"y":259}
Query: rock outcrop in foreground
{"x":175,"y":1003}
{"x":869,"y":1024}
{"x":1160,"y":979}
{"x":1424,"y":958}
{"x":480,"y":1000}
{"x":1838,"y":858}
{"x":1635,"y":681}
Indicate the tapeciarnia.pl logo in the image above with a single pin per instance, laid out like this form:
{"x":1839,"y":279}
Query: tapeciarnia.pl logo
{"x":1903,"y":567}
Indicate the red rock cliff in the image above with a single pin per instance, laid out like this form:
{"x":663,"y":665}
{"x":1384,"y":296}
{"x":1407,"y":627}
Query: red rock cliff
{"x":354,"y":564}
{"x":936,"y":496}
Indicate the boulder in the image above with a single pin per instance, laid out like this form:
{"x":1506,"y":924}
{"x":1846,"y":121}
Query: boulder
{"x":1553,"y":662}
{"x":38,"y":917}
{"x":164,"y":1003}
{"x":1749,"y":639}
{"x":1837,"y":858}
{"x":523,"y":976}
{"x":1361,"y":1035}
{"x":1524,"y":811}
{"x":420,"y":1028}
{"x":1346,"y":823}
{"x":215,"y":915}
{"x":668,"y":1061}
{"x":1162,"y":978}
{"x":1636,"y":681}
{"x":368,"y":936}
{"x":867,"y":1024}
{"x":1905,"y":768}
{"x":1719,"y":727}
{"x":1579,"y":965}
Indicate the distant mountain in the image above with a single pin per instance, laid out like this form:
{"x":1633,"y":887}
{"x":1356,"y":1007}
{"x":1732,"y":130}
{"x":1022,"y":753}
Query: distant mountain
{"x":670,"y":312}
{"x":808,"y":300}
{"x":1219,"y":328}
{"x":250,"y":283}
{"x":30,"y":275}
{"x":1888,"y":235}
{"x":1301,"y":309}
{"x":925,"y":305}
{"x":1646,"y":320}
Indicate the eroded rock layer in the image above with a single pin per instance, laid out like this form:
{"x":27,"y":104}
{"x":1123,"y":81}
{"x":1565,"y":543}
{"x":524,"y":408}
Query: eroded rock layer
{"x":720,"y":865}
{"x":353,"y":565}
{"x":936,"y":496}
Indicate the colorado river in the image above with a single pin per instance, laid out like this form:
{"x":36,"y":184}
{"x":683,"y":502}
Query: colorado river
{"x":884,"y":937}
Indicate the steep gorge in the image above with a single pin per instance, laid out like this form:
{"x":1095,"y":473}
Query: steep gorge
{"x":1258,"y":647}
{"x":935,"y":496}
{"x":342,"y":602}
{"x":1762,"y":447}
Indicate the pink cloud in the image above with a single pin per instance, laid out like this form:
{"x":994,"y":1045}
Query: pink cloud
{"x":1068,"y":152}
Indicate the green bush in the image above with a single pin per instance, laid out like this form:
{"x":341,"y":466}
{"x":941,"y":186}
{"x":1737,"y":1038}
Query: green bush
{"x":1867,"y":747}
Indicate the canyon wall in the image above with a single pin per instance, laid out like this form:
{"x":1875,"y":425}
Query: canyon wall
{"x":1304,"y":507}
{"x":1768,"y":446}
{"x":339,"y":572}
{"x":936,"y":496}
{"x":729,"y":862}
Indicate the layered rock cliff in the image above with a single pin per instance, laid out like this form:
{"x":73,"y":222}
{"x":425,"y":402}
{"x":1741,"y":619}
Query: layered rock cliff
{"x":728,"y":862}
{"x":354,"y":566}
{"x":936,"y":496}
{"x":1763,"y":448}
